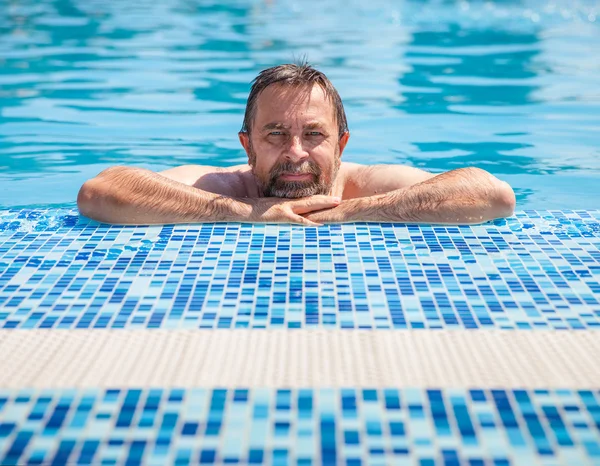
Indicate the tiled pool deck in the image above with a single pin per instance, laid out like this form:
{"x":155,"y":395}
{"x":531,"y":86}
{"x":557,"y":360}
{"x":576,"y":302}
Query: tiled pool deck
{"x":65,"y":276}
{"x":535,"y":271}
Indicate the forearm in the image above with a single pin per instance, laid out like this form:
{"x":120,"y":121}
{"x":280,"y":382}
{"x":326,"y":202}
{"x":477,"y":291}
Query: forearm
{"x":463,"y":196}
{"x":133,"y":196}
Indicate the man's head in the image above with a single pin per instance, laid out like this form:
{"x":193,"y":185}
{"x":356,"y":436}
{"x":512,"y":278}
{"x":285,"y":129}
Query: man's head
{"x":294,"y":131}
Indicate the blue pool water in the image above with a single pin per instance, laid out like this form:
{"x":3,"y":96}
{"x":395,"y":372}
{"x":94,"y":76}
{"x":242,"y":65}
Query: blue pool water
{"x":508,"y":86}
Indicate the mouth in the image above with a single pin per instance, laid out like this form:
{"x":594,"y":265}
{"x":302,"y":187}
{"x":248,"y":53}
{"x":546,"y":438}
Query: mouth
{"x":296,"y":176}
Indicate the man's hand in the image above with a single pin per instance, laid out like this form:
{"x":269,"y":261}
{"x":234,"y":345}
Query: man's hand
{"x":362,"y":209}
{"x":278,"y":210}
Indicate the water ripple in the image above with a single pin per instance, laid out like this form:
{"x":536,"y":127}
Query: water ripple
{"x":509,"y":86}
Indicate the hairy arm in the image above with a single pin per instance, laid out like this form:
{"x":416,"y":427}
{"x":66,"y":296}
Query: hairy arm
{"x":135,"y":196}
{"x":463,"y":196}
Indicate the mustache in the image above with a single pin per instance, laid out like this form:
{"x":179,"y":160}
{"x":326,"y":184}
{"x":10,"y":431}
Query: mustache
{"x":306,"y":168}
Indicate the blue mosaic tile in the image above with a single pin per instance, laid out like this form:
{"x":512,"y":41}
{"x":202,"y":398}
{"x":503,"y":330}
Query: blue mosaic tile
{"x":300,"y":426}
{"x":537,"y":270}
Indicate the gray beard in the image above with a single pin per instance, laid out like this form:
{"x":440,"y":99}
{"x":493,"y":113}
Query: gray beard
{"x":293,"y":189}
{"x":275,"y":187}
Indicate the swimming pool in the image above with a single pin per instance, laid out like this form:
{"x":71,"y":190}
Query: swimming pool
{"x":278,"y":344}
{"x":511,"y":87}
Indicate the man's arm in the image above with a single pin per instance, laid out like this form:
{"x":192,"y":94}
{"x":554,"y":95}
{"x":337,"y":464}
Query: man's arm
{"x":463,"y":196}
{"x":135,"y":196}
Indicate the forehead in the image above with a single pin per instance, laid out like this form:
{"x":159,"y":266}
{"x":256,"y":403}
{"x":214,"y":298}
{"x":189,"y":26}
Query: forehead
{"x":287,"y":104}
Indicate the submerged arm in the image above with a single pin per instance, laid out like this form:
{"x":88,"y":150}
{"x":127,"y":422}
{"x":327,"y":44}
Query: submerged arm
{"x":463,"y":196}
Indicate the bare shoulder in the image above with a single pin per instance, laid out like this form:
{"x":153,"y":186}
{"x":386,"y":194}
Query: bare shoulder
{"x":368,"y":180}
{"x":232,"y":181}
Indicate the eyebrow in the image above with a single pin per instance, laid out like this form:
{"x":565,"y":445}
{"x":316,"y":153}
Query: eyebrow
{"x":270,"y":126}
{"x":311,"y":125}
{"x":314,"y":125}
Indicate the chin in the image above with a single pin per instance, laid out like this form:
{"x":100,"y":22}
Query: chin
{"x":292,"y":195}
{"x":286,"y":194}
{"x":295,"y":190}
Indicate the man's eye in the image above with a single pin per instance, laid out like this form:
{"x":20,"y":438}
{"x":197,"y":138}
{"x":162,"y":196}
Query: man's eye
{"x":314,"y":133}
{"x":276,"y":133}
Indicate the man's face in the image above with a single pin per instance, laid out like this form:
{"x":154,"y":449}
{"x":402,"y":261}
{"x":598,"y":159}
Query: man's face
{"x":294,"y":149}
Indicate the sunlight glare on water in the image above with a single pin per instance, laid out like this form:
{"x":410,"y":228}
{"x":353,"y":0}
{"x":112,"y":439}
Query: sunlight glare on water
{"x":512,"y":87}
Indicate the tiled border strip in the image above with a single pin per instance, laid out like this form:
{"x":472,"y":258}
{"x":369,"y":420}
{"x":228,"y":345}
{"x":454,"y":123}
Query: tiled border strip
{"x":279,"y":358}
{"x":329,"y":426}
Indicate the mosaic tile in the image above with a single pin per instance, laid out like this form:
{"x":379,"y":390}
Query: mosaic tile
{"x":300,"y":426}
{"x":537,"y":270}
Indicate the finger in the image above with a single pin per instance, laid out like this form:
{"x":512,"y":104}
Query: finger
{"x":307,"y":222}
{"x":315,"y":203}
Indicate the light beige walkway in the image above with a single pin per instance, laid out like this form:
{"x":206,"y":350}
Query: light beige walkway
{"x":299,"y":358}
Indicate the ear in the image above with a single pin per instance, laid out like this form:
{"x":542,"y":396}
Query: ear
{"x":245,"y":141}
{"x":343,"y":141}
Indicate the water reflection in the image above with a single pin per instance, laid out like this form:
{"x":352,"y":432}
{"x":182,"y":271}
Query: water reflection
{"x":94,"y":82}
{"x":468,"y":67}
{"x":477,"y":93}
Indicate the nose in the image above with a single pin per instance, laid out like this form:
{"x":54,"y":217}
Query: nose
{"x":296,"y":152}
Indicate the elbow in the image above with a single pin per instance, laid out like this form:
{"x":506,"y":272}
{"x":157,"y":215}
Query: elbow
{"x":505,"y":200}
{"x":88,"y":199}
{"x":93,"y":196}
{"x":500,"y":197}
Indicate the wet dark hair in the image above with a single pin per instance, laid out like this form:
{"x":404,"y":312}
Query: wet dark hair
{"x":294,"y":74}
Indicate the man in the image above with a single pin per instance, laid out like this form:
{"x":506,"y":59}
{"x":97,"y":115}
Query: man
{"x":294,"y":134}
